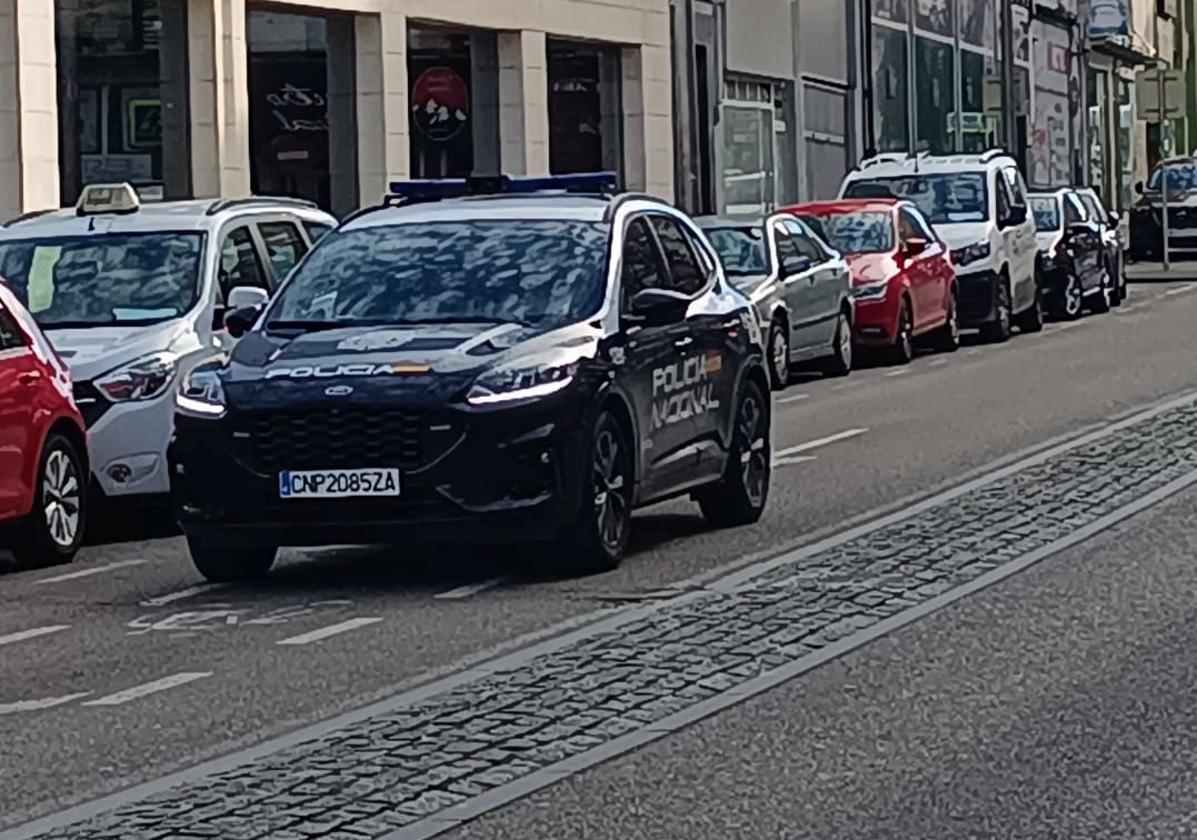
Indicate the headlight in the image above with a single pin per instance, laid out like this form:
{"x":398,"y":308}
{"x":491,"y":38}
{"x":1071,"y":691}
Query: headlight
{"x":970,"y":253}
{"x":201,"y":394}
{"x":520,"y":382}
{"x":142,"y":379}
{"x":870,"y":291}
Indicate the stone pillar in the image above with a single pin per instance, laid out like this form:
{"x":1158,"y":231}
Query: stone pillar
{"x":371,"y":117}
{"x":523,"y":103}
{"x":28,"y":107}
{"x":219,"y":87}
{"x":647,"y":120}
{"x":396,"y":113}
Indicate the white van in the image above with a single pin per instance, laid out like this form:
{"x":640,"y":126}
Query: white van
{"x":978,"y":205}
{"x":133,"y":296}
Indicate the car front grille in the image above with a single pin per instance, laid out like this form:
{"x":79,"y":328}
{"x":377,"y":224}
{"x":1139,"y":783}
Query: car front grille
{"x":342,"y":438}
{"x":1182,"y":217}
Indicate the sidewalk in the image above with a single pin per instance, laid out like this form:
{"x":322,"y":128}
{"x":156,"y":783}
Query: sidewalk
{"x":1148,"y":272}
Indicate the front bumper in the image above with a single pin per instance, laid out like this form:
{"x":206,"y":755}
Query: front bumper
{"x":127,"y":441}
{"x":512,"y":474}
{"x":875,"y":320}
{"x":977,"y":297}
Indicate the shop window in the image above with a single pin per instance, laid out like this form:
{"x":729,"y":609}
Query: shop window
{"x":935,"y":95}
{"x":891,"y":109}
{"x":585,"y":109}
{"x":935,"y":16}
{"x":977,"y":24}
{"x":980,"y":129}
{"x":748,"y":147}
{"x":440,"y":71}
{"x":302,"y":117}
{"x":122,"y":96}
{"x":284,"y":246}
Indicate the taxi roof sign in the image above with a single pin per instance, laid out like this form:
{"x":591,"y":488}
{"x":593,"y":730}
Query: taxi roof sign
{"x":107,"y":198}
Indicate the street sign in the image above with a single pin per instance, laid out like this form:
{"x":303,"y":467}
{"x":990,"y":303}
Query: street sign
{"x":1154,"y":84}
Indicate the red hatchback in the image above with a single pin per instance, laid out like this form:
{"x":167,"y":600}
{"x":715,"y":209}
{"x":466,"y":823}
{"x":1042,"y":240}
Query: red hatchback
{"x":43,"y":444}
{"x":903,"y":282}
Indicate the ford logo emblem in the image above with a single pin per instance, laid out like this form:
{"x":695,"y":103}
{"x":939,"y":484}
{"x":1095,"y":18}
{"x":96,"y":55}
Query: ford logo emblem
{"x":338,"y":391}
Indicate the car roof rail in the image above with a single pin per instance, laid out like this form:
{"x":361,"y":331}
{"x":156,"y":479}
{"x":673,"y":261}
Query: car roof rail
{"x":222,"y":204}
{"x":401,"y":193}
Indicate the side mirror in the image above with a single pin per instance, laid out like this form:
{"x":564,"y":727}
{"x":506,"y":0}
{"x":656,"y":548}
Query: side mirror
{"x":1138,"y":187}
{"x":658,"y":306}
{"x":914,"y":246}
{"x":246,"y":297}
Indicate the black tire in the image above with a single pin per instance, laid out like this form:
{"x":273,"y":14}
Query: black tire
{"x":1069,"y":302}
{"x":54,"y":529}
{"x":1100,"y":302}
{"x":599,"y":537}
{"x":223,"y":563}
{"x":902,"y":350}
{"x":1031,"y":321}
{"x":1118,"y":287}
{"x":840,"y":363}
{"x":947,"y":337}
{"x":779,"y":354}
{"x":998,"y":330}
{"x":740,"y":496}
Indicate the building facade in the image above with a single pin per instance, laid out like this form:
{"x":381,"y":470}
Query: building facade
{"x":327,"y":99}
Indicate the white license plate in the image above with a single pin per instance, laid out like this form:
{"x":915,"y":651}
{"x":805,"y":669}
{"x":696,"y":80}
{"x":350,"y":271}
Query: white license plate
{"x":337,"y":484}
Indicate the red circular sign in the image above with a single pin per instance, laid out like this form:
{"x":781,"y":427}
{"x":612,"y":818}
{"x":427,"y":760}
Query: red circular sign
{"x":440,"y":103}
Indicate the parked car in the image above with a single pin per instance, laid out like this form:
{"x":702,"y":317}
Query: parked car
{"x":904,"y":284}
{"x":132,"y":296}
{"x":1146,"y":227}
{"x":43,"y":444}
{"x":1072,"y":255}
{"x":978,"y":205}
{"x":1111,"y":237}
{"x":800,"y":288}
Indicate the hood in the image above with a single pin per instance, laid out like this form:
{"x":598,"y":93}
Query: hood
{"x":871,"y":268}
{"x":92,"y":351}
{"x":961,"y":234}
{"x":434,"y":360}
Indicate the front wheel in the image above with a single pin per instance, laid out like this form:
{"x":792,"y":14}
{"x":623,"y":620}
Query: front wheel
{"x":840,"y":363}
{"x":947,"y":337}
{"x":53,"y":531}
{"x":1102,"y":300}
{"x":1070,"y":300}
{"x":779,"y":354}
{"x":599,"y":538}
{"x":998,"y":330}
{"x":902,"y":350}
{"x":222,"y":563}
{"x":740,"y":495}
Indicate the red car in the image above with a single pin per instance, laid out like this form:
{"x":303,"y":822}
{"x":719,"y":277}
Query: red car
{"x":903,"y":281}
{"x":43,"y":444}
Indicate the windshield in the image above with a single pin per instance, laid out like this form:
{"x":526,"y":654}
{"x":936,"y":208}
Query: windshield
{"x":1182,"y":177}
{"x":868,"y":232}
{"x":1047,"y":212}
{"x":535,"y":272}
{"x":943,"y":198}
{"x":104,"y":279}
{"x":741,"y":250}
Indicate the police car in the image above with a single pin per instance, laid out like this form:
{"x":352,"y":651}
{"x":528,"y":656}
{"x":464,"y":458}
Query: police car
{"x":480,"y":360}
{"x":132,"y":295}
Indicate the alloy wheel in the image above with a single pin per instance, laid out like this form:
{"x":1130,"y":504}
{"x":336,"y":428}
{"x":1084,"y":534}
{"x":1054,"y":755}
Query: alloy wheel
{"x":779,"y":354}
{"x":61,"y":499}
{"x":610,"y":500}
{"x":844,"y":334}
{"x":754,"y":458}
{"x":1073,"y":298}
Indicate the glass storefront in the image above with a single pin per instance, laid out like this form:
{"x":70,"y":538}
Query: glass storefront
{"x":440,"y":70}
{"x":302,"y":113}
{"x":585,"y":110}
{"x":758,"y":155}
{"x":891,"y":105}
{"x":122,"y":95}
{"x":934,"y":74}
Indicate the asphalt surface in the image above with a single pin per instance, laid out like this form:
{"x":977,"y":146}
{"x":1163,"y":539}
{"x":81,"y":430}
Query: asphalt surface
{"x":140,"y":619}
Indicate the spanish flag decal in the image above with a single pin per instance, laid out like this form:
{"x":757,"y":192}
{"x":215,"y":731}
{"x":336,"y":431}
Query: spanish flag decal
{"x":714,"y":362}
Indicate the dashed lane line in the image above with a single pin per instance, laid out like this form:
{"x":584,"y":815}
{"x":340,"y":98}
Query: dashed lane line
{"x":171,"y":597}
{"x":898,"y":372}
{"x":937,"y":363}
{"x":32,"y":633}
{"x":793,"y":459}
{"x":469,"y":590}
{"x":815,"y":444}
{"x":331,"y":630}
{"x":793,"y":398}
{"x":96,"y":570}
{"x":139,"y":691}
{"x":42,"y":703}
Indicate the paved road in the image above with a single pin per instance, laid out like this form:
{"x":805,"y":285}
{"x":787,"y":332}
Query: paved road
{"x":124,"y":667}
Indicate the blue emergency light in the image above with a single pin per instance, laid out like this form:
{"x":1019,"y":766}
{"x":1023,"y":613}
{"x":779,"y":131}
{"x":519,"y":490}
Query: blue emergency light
{"x":602,"y":183}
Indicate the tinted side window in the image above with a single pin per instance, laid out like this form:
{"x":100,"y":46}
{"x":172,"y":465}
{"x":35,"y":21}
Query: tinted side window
{"x":1073,"y":211}
{"x":284,"y":246}
{"x":920,"y":224}
{"x":1096,"y":211}
{"x":907,"y":229}
{"x":641,"y":261}
{"x":1014,"y":181}
{"x":1002,"y":194}
{"x":684,"y":266}
{"x":239,"y":263}
{"x":806,"y":238}
{"x":10,"y":337}
{"x":316,"y":231}
{"x":788,"y":255}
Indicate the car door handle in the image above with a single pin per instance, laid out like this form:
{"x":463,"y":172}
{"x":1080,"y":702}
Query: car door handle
{"x":29,"y":377}
{"x":683,"y":342}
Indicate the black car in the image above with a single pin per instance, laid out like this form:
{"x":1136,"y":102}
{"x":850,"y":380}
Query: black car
{"x":528,"y":360}
{"x":1073,"y":270}
{"x":1146,"y":217}
{"x":1111,"y":237}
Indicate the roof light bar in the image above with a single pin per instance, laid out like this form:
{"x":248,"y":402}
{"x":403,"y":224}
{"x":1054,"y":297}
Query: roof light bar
{"x":107,"y":198}
{"x":603,"y":183}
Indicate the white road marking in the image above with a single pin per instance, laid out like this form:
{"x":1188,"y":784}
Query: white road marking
{"x":937,"y":363}
{"x":111,"y":567}
{"x":154,"y":687}
{"x":815,"y":444}
{"x":43,"y":703}
{"x":32,"y":633}
{"x":794,"y":398}
{"x":171,"y":597}
{"x":793,"y":459}
{"x":1179,"y":290}
{"x":898,"y":372}
{"x":469,"y":589}
{"x":974,"y":351}
{"x":331,"y":630}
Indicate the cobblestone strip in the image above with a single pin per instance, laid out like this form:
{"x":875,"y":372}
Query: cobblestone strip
{"x":414,"y":764}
